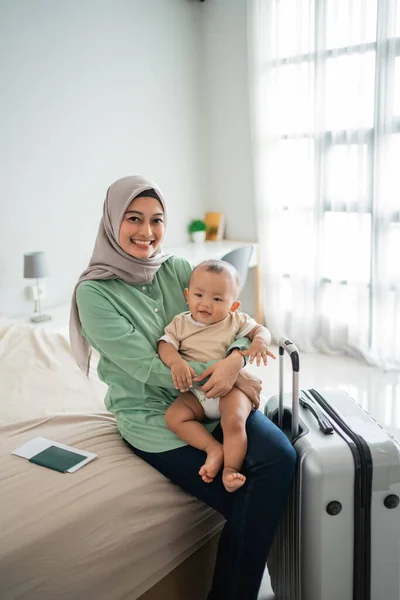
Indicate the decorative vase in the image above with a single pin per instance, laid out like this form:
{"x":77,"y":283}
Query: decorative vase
{"x":198,"y":237}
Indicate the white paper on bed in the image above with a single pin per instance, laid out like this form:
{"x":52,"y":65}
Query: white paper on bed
{"x":38,"y":444}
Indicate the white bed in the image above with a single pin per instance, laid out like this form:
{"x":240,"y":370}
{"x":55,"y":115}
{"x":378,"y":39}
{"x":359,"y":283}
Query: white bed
{"x":115,"y":529}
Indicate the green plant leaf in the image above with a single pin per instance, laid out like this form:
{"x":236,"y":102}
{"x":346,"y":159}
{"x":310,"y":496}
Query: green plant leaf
{"x":197,"y":225}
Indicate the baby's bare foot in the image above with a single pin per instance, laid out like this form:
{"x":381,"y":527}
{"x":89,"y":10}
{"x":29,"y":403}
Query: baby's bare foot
{"x":214,"y":460}
{"x":232,"y":480}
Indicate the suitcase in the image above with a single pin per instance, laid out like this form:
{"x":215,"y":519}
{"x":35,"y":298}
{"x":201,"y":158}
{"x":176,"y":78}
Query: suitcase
{"x":340,"y":537}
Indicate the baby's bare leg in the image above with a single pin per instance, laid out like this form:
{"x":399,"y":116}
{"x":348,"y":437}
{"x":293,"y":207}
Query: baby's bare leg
{"x":184,"y":418}
{"x":235,"y":407}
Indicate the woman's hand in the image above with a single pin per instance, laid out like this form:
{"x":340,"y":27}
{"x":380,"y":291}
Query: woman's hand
{"x":222,"y":374}
{"x":251,"y":385}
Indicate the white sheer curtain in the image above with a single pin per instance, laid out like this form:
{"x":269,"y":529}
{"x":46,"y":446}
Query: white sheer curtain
{"x":326,"y":82}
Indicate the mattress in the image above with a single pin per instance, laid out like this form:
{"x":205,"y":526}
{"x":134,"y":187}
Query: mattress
{"x":112,"y":529}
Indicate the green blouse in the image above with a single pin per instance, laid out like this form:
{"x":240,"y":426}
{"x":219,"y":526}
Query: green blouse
{"x":123,"y":322}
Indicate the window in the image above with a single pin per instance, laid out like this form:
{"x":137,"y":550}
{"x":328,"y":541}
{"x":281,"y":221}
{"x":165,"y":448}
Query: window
{"x":329,"y":139}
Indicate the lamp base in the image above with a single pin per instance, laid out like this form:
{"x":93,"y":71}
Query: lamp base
{"x":40,"y":318}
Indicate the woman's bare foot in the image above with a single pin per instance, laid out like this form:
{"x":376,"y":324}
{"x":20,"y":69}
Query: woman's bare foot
{"x":214,"y":460}
{"x":232,"y":480}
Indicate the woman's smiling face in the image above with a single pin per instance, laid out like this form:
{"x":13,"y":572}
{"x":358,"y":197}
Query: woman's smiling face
{"x":142,"y":227}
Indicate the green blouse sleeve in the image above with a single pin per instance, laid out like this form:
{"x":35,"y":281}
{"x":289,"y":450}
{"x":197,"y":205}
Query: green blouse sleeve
{"x":240,"y":344}
{"x":117,"y":340}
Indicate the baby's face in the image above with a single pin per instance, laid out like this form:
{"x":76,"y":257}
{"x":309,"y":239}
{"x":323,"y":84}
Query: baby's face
{"x":211,"y":296}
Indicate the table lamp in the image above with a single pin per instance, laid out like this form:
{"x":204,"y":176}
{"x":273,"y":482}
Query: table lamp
{"x":34,"y":268}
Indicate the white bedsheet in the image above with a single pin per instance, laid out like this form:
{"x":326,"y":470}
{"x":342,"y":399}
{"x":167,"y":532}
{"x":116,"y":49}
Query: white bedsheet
{"x":111,"y":530}
{"x":38,"y":375}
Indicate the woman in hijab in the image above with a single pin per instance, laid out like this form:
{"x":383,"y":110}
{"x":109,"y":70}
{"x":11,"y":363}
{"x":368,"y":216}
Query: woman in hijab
{"x":130,"y":291}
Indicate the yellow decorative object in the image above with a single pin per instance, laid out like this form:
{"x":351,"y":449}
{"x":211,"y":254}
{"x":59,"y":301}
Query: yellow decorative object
{"x":215,"y":222}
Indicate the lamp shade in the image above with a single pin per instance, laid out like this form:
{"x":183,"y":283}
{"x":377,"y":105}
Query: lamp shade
{"x":35,"y":265}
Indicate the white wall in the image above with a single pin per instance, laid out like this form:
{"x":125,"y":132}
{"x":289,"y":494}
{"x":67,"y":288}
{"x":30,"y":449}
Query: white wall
{"x":91,"y":91}
{"x":227,"y":138}
{"x":227,"y":134}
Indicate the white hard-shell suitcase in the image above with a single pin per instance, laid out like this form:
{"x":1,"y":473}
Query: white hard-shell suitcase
{"x":340,"y":537}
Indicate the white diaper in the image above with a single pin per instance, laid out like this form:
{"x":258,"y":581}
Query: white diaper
{"x":210,"y":405}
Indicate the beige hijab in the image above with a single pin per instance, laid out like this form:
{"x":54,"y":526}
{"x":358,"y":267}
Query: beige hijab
{"x":108,"y":260}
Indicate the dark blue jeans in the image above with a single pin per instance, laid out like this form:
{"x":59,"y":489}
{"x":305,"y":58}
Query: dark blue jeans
{"x":252,"y":513}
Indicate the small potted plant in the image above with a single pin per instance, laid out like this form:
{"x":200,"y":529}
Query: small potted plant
{"x":197,"y":229}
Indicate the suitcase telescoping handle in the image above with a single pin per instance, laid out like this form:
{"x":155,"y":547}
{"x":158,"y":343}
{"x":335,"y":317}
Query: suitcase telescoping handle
{"x":287,"y":345}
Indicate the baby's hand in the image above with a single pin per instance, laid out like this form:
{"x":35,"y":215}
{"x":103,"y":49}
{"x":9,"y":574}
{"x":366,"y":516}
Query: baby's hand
{"x":182,"y":374}
{"x":258,"y":350}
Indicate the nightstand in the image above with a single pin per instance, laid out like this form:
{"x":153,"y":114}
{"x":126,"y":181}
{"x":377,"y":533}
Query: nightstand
{"x":59,"y":322}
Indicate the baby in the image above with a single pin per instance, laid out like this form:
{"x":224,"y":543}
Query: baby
{"x":205,"y":333}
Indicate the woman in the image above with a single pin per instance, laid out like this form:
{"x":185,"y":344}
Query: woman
{"x":130,"y":291}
